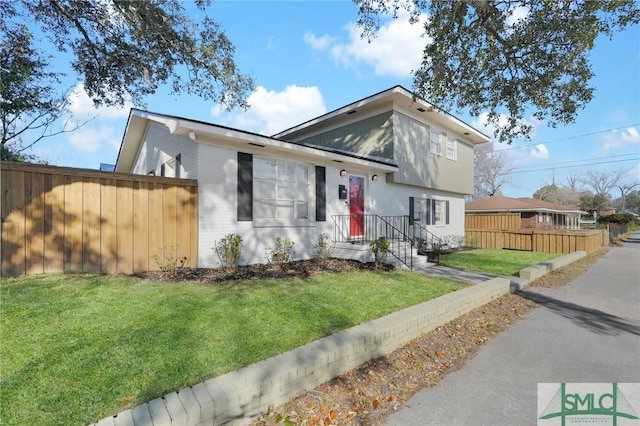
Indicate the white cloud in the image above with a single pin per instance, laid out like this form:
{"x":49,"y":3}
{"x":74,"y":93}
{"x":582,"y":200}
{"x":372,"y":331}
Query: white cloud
{"x":621,"y":138}
{"x":82,"y":108}
{"x":271,"y":112}
{"x":91,"y":139}
{"x":539,"y":152}
{"x":318,"y":43}
{"x":396,"y":50}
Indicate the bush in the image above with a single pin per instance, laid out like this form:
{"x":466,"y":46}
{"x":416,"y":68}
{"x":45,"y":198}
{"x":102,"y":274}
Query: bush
{"x":172,"y":263}
{"x":229,"y":250}
{"x":627,"y":218}
{"x":281,"y":254}
{"x":380,"y":250}
{"x":323,"y":247}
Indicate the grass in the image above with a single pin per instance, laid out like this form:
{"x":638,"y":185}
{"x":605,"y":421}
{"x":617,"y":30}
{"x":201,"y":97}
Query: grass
{"x":496,"y":261}
{"x":79,"y":347}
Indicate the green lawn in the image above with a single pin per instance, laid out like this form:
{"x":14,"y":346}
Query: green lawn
{"x":78,"y":347}
{"x":495,"y":261}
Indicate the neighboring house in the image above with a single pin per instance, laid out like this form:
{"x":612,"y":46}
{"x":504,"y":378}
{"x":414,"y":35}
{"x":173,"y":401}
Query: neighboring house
{"x":388,"y":159}
{"x":534,"y":213}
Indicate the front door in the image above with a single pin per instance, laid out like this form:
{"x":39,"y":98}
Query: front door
{"x":356,"y":206}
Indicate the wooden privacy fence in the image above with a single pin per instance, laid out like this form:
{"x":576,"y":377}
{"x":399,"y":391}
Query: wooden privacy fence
{"x":548,"y":241}
{"x":64,"y":219}
{"x":498,"y":221}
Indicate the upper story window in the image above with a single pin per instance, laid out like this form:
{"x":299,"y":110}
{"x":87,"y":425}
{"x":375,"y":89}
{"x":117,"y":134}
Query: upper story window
{"x":436,"y":139}
{"x":452,"y":149}
{"x":281,"y":190}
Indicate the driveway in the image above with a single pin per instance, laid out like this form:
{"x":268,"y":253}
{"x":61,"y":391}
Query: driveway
{"x":585,"y":332}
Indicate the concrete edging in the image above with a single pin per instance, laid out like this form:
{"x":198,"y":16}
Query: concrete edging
{"x":239,"y":396}
{"x":536,"y":271}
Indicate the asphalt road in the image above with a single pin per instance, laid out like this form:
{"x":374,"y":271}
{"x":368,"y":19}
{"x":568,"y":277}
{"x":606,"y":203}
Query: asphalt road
{"x":585,"y":332}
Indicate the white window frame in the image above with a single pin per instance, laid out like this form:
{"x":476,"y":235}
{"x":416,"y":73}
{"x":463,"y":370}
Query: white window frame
{"x":452,"y":149}
{"x":435,"y":142}
{"x":279,"y":181}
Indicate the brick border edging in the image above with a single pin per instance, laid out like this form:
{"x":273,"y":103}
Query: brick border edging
{"x":239,"y":396}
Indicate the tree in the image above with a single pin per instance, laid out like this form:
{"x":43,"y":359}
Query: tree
{"x":127,"y":49}
{"x":491,"y":171}
{"x":30,"y":102}
{"x":563,"y":195}
{"x":601,"y":183}
{"x":625,"y":190}
{"x":507,"y":57}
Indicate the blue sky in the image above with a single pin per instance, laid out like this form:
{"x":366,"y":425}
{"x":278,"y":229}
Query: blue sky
{"x":307,"y":58}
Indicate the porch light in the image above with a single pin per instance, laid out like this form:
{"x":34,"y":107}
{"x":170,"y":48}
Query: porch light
{"x":343,"y":173}
{"x":374,"y":178}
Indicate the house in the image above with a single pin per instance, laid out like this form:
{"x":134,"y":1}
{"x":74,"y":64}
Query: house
{"x":534,"y":213}
{"x":387,"y":165}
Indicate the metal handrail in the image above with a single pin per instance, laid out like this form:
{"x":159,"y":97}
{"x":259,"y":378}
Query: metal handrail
{"x":374,"y":227}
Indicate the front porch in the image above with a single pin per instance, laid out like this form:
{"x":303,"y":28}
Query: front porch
{"x":409,"y":242}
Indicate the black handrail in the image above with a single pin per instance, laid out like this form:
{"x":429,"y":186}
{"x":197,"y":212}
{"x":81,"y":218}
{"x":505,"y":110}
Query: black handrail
{"x":372,"y":228}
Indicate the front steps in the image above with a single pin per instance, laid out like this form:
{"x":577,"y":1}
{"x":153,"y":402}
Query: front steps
{"x":360,"y":251}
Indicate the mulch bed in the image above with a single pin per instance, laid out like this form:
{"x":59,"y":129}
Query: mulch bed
{"x":298,"y":268}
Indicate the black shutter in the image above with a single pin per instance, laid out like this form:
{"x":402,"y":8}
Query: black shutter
{"x":178,"y":164}
{"x":446,"y":209}
{"x":321,"y":194}
{"x":433,"y":212}
{"x":427,"y":214}
{"x":245,"y":187}
{"x":411,"y":210}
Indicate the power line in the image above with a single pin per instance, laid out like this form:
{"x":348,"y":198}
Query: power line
{"x":569,"y":167}
{"x":575,"y":161}
{"x":570,"y":137}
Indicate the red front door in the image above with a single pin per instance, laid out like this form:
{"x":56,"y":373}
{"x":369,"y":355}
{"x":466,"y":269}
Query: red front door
{"x":356,"y":206}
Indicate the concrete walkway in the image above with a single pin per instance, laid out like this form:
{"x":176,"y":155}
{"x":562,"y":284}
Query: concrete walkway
{"x":586,"y":332}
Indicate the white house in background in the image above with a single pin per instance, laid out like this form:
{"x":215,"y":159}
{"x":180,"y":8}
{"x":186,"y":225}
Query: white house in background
{"x":386,"y":164}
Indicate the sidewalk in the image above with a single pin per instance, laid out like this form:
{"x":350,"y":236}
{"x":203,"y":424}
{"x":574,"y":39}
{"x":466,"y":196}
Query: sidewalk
{"x":588,"y":331}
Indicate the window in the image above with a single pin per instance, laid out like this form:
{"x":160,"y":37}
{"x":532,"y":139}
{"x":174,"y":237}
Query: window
{"x":452,"y":149}
{"x":435,"y":147}
{"x":437,"y":212}
{"x":280,"y":190}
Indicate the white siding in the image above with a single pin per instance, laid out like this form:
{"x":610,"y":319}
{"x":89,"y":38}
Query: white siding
{"x":217,"y":213}
{"x":160,"y":146}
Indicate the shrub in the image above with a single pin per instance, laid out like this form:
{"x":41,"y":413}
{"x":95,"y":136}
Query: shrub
{"x":323,"y":247}
{"x":380,"y":250}
{"x":618,"y":218}
{"x":281,"y":254}
{"x":229,"y":250}
{"x":172,"y":263}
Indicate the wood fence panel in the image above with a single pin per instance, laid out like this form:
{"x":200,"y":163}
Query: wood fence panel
{"x":54,"y":223}
{"x":493,"y":221}
{"x":124,"y":236}
{"x":141,"y":226}
{"x":64,"y":219}
{"x":549,"y":241}
{"x":34,"y":223}
{"x":156,"y":231}
{"x":91,"y":225}
{"x":170,"y":213}
{"x":108,"y":216}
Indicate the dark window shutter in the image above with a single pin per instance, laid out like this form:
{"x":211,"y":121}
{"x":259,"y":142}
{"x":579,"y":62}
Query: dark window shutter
{"x":433,"y":212}
{"x":245,"y":187}
{"x":321,"y":194}
{"x":412,"y":201}
{"x":178,"y":164}
{"x":427,"y":214}
{"x":162,"y":170}
{"x":446,"y":210}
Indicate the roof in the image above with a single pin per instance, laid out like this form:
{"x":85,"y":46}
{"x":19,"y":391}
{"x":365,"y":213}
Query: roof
{"x":400,"y":97}
{"x":499,"y":203}
{"x":139,"y":119}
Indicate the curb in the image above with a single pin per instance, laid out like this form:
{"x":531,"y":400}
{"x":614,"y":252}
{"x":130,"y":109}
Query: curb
{"x":237,"y":397}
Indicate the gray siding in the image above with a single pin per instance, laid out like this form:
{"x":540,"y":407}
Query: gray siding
{"x":372,"y":137}
{"x":417,"y":166}
{"x":159,"y":146}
